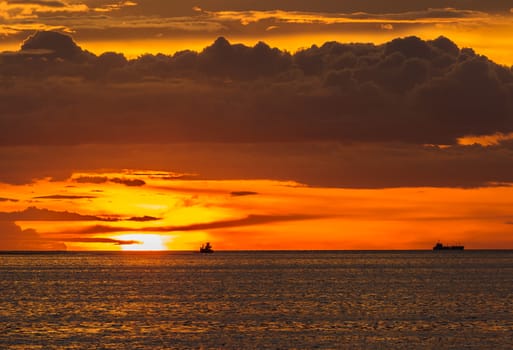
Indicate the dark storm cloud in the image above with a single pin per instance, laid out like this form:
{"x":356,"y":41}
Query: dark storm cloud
{"x":41,"y":214}
{"x":250,"y":220}
{"x":12,"y":237}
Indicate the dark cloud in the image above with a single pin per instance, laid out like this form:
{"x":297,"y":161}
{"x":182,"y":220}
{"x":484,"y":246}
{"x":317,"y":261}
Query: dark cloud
{"x":91,"y":179}
{"x":12,"y":237}
{"x":37,"y":214}
{"x":104,"y":179}
{"x":129,"y":182}
{"x":250,"y":220}
{"x":64,"y":196}
{"x":99,"y":240}
{"x":183,"y":8}
{"x":53,"y":45}
{"x":143,"y":218}
{"x":332,"y":164}
{"x":243,"y":193}
{"x":319,"y":105}
{"x":48,"y":3}
{"x":407,"y":90}
{"x":8,"y":200}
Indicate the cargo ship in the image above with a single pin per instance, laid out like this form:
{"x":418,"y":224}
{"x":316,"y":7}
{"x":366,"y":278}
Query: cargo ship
{"x":440,"y":246}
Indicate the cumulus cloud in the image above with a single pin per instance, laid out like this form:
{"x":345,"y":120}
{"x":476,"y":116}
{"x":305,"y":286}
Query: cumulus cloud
{"x":319,"y":105}
{"x":12,"y":237}
{"x":407,"y":90}
{"x":51,"y":45}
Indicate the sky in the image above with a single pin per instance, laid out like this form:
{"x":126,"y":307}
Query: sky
{"x":150,"y":125}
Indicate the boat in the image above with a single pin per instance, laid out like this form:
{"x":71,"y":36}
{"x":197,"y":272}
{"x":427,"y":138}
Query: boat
{"x":206,"y":248}
{"x":440,"y":246}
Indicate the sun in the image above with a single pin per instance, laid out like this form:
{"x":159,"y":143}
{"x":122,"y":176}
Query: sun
{"x":147,"y":242}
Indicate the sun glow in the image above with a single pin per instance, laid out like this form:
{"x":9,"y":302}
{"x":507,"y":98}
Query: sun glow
{"x":146,"y":242}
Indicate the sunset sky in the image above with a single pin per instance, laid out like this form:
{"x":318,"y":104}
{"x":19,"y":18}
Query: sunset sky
{"x":291,"y":124}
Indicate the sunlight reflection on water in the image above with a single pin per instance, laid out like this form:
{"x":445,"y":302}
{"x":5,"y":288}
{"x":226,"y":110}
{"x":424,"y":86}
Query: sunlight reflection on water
{"x":257,"y":300}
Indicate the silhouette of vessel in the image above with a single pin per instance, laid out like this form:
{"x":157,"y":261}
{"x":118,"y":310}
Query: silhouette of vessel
{"x":440,"y":246}
{"x":206,"y":248}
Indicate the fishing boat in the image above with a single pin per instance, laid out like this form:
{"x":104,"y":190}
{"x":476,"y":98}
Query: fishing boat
{"x":440,"y":246}
{"x":206,"y":248}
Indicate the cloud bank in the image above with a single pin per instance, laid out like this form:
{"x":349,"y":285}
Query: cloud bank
{"x":315,"y":107}
{"x":407,"y":90}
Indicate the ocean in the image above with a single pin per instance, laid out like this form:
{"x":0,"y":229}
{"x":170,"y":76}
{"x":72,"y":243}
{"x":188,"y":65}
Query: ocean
{"x":257,"y":300}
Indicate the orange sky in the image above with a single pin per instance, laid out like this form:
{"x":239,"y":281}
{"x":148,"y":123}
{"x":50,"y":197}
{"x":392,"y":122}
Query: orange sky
{"x":252,"y":214}
{"x":357,"y":146}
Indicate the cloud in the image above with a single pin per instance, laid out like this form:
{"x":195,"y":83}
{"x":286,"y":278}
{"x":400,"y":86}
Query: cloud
{"x":429,"y":16}
{"x":29,"y":15}
{"x":250,"y":220}
{"x":38,"y":214}
{"x":91,"y":179}
{"x":333,"y":115}
{"x":12,"y":237}
{"x":104,"y":179}
{"x":129,"y":182}
{"x":2,"y":199}
{"x":143,"y":218}
{"x":114,"y":6}
{"x":407,"y":90}
{"x":98,"y":240}
{"x":52,"y":45}
{"x":242,"y":193}
{"x":64,"y":196}
{"x":30,"y":9}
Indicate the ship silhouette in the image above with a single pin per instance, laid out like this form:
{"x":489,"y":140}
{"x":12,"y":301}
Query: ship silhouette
{"x":440,"y":246}
{"x":206,"y":248}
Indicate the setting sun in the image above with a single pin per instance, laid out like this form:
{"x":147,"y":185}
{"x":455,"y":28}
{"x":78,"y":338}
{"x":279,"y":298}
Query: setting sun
{"x":146,"y":242}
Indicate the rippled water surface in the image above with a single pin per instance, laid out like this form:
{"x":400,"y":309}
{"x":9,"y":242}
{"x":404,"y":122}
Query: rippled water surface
{"x":257,"y":300}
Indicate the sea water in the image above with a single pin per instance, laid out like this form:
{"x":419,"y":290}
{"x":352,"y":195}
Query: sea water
{"x":257,"y":300}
